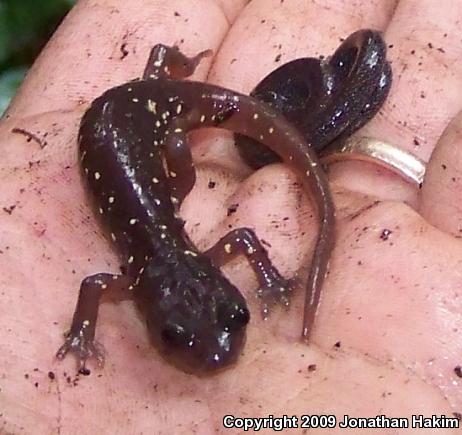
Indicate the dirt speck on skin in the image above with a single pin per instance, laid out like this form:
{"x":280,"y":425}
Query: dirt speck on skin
{"x":31,"y":136}
{"x":458,"y":371}
{"x":232,"y":209}
{"x":9,"y":210}
{"x":123,"y":50}
{"x":84,"y":371}
{"x":385,"y":234}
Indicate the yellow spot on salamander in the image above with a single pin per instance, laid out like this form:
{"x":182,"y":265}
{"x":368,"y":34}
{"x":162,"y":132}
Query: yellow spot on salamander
{"x":97,"y":175}
{"x":172,"y":174}
{"x":155,"y":180}
{"x":227,"y":248}
{"x":111,"y":199}
{"x":270,"y":130}
{"x":203,"y":118}
{"x":192,"y":253}
{"x":255,"y":116}
{"x":133,"y":221}
{"x":179,"y":108}
{"x":152,"y":106}
{"x":178,"y":130}
{"x":130,"y":259}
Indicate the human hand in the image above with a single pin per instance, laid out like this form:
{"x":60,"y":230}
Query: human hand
{"x":391,"y":306}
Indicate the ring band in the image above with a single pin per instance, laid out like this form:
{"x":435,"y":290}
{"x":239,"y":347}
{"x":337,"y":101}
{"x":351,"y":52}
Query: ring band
{"x":402,"y":163}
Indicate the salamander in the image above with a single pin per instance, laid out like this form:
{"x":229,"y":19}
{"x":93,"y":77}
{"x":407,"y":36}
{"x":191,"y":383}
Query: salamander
{"x":327,"y":100}
{"x":137,"y":167}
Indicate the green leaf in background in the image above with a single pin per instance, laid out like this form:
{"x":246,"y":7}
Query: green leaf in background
{"x":4,"y":34}
{"x":25,"y":27}
{"x":9,"y":82}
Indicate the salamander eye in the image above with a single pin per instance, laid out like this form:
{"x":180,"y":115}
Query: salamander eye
{"x":175,"y":335}
{"x":237,"y":318}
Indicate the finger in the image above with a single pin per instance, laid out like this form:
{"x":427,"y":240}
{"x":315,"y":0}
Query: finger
{"x":104,"y":43}
{"x":285,"y":31}
{"x":441,"y":202}
{"x":425,"y":95}
{"x":427,"y":66}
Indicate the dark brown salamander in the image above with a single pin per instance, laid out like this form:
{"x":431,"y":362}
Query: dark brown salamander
{"x":194,"y":314}
{"x":326,"y":100}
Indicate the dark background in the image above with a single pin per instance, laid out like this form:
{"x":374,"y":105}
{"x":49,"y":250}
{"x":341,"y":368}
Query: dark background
{"x":25,"y":26}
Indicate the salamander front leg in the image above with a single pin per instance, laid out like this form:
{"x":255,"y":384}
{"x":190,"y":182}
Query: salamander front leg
{"x":274,"y":288}
{"x":80,"y":340}
{"x":181,"y":172}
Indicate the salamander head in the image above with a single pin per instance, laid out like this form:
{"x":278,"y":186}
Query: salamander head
{"x":196,"y":316}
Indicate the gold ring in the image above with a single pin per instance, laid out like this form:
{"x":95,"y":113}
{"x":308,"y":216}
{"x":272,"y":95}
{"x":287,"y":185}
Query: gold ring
{"x":402,"y":163}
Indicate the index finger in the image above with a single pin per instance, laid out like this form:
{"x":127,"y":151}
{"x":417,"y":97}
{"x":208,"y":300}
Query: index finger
{"x":104,"y":43}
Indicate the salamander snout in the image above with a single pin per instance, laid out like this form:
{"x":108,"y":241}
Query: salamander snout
{"x":208,"y":341}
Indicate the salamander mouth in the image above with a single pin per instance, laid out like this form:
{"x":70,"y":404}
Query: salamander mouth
{"x":205,"y":359}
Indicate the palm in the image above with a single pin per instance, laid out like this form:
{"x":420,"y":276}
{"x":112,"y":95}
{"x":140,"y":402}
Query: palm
{"x":388,"y":323}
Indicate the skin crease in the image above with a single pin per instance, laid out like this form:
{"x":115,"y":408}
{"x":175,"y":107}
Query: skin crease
{"x":394,"y":305}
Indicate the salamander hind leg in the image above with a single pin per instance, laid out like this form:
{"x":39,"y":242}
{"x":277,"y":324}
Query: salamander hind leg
{"x":80,"y":339}
{"x":274,"y":288}
{"x":169,"y":62}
